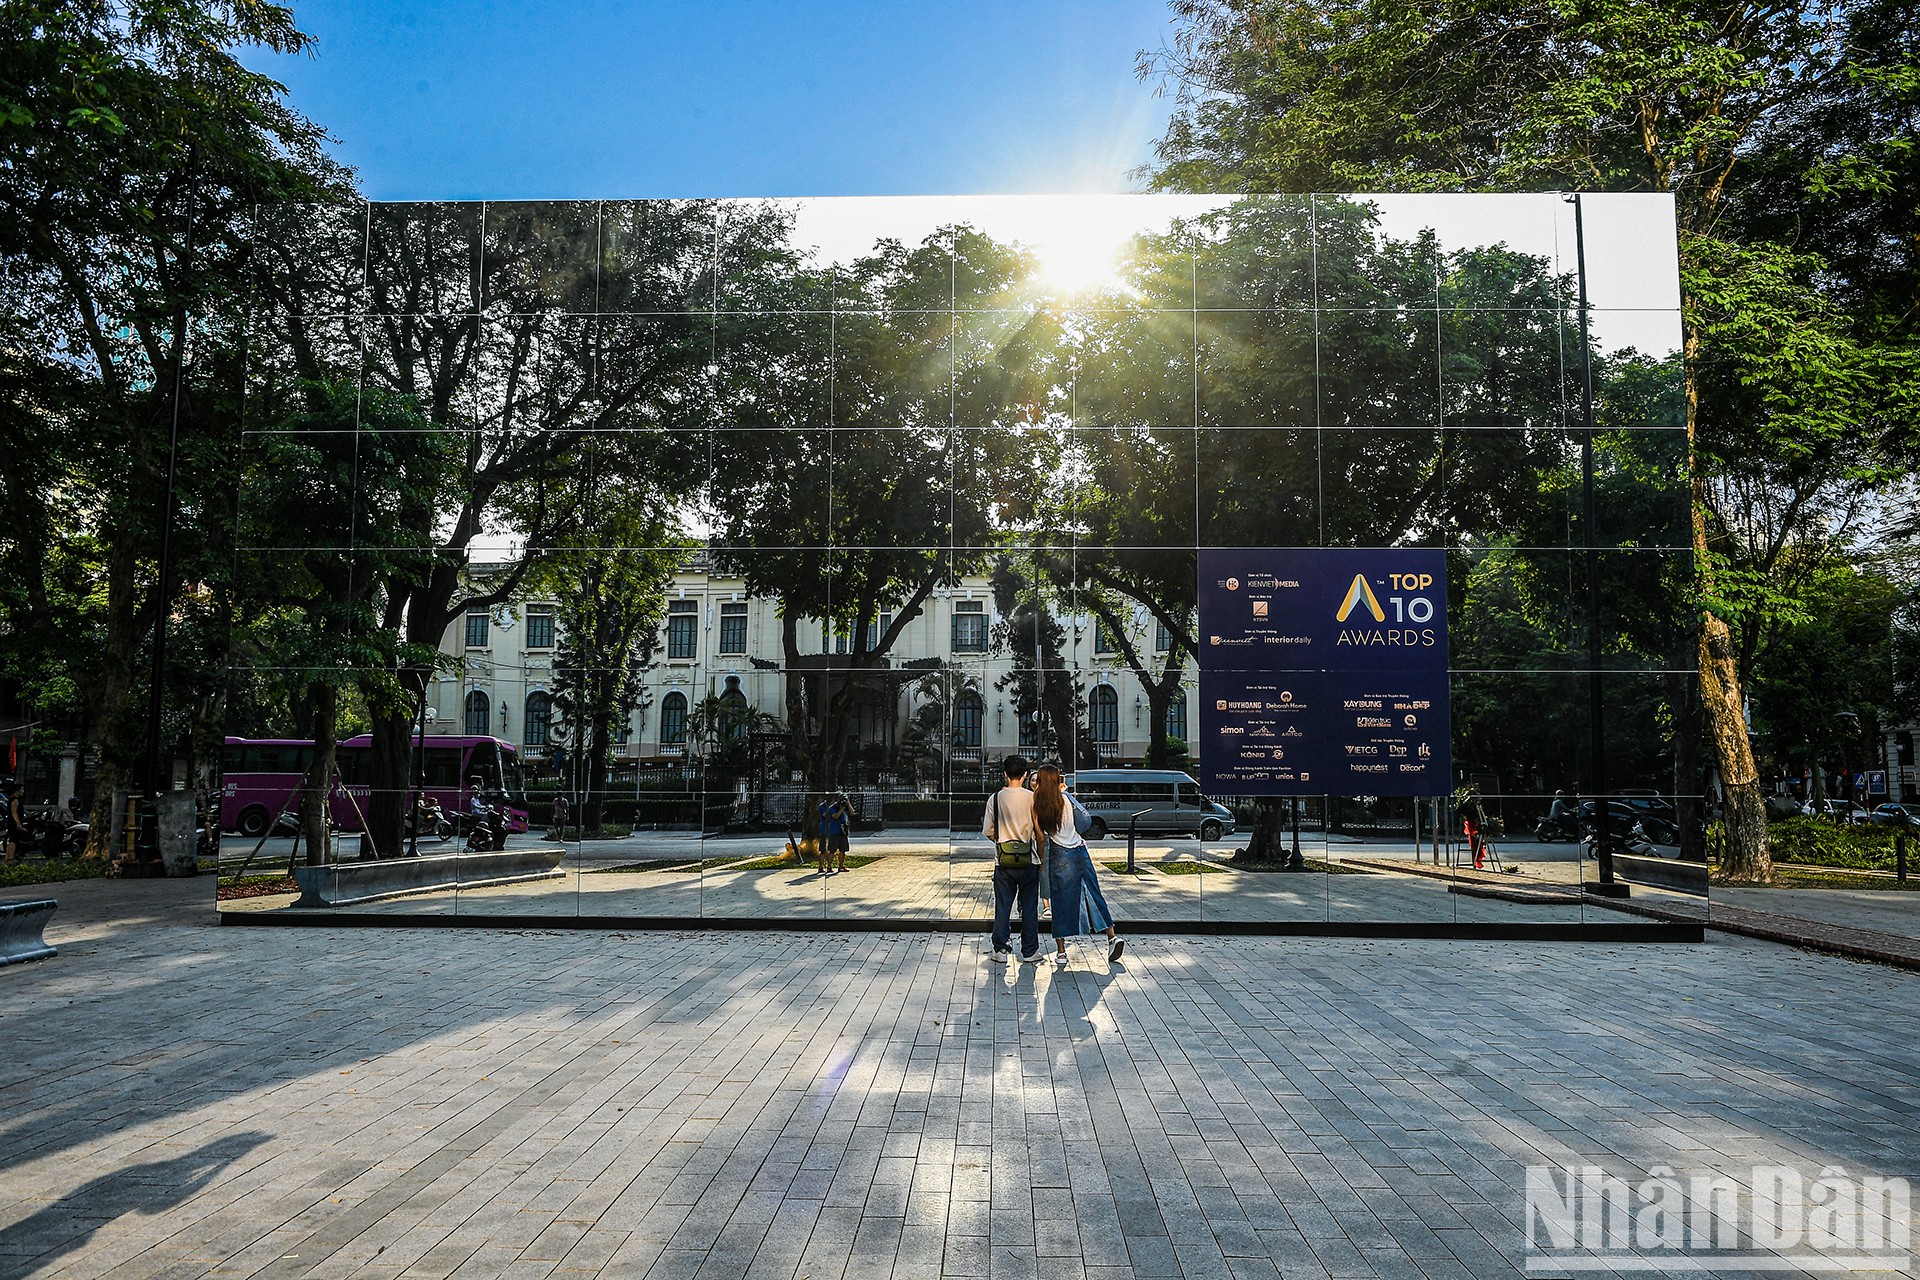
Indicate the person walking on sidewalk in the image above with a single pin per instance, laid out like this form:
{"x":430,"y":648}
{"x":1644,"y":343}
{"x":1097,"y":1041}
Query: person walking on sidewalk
{"x":1078,"y":905}
{"x":1016,"y":863}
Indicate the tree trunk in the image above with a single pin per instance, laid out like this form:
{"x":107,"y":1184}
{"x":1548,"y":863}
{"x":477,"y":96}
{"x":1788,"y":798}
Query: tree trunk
{"x":1744,"y":858}
{"x":314,"y":789}
{"x":1270,"y":844}
{"x":112,"y":688}
{"x":390,"y":772}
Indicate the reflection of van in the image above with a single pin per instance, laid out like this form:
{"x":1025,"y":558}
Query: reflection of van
{"x":1172,"y":801}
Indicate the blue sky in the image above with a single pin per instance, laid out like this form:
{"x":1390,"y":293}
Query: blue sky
{"x":729,"y":97}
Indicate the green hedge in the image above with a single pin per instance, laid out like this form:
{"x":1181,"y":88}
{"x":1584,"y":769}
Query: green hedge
{"x":1826,"y":844}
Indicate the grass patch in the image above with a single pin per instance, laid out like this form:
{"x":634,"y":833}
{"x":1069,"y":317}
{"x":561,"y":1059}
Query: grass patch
{"x":605,"y":831}
{"x":629,"y":868}
{"x":231,"y":887}
{"x":50,"y":871}
{"x":1793,"y":878}
{"x":1120,"y":869}
{"x":1186,"y":867}
{"x":1827,"y":844}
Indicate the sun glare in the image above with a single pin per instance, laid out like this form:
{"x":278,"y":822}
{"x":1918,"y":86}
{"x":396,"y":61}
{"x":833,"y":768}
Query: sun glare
{"x":1081,"y":260}
{"x":1079,"y":256}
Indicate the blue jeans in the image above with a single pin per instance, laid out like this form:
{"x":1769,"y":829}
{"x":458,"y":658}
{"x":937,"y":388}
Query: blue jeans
{"x":1025,"y":882}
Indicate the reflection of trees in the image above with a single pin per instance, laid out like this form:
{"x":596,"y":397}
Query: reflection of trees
{"x":479,"y":327}
{"x":850,"y":440}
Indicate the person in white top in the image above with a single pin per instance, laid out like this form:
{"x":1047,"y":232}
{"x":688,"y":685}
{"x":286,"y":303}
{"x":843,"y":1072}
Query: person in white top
{"x":1078,"y":905}
{"x":1008,"y":822}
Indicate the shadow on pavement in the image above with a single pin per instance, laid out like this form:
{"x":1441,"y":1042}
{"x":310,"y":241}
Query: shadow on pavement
{"x":69,"y":1222}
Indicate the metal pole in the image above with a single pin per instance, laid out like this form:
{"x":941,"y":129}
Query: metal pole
{"x":146,"y":849}
{"x":1596,"y":700}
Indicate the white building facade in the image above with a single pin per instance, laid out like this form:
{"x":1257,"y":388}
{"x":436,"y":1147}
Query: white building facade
{"x":717,"y":640}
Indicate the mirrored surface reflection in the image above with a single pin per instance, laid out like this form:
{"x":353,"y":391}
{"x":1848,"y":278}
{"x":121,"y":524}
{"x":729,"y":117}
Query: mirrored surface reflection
{"x":745,"y":508}
{"x":1265,"y":882}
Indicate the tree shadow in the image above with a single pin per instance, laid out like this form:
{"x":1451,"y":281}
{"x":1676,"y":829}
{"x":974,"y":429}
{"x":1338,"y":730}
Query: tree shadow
{"x":69,"y":1223}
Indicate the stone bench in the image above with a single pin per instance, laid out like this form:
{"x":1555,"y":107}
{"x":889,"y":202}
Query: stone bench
{"x":340,"y":884}
{"x":21,"y":923}
{"x":1662,"y":873}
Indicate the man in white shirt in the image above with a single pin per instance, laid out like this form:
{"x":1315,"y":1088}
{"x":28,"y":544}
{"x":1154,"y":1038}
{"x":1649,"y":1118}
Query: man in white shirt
{"x":1009,"y":822}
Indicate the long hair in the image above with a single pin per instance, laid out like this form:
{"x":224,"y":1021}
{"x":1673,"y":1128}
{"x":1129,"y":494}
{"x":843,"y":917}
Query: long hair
{"x":1049,"y":799}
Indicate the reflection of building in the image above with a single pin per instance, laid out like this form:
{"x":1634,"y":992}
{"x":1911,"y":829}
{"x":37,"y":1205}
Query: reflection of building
{"x":719,"y":641}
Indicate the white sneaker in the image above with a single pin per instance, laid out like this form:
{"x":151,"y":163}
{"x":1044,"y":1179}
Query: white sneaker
{"x":1001,"y":956}
{"x":1033,"y":957}
{"x":1060,"y":958}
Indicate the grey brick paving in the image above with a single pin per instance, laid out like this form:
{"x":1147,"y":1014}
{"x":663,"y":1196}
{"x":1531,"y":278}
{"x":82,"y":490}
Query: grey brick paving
{"x":185,"y":1100}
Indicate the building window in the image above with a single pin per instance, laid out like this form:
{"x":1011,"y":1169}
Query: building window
{"x":476,"y":628}
{"x":1177,"y":717}
{"x":537,"y":731}
{"x":540,"y":628}
{"x":875,"y":630}
{"x":479,"y":708}
{"x":733,"y":628}
{"x":735,"y":712}
{"x":1104,"y":640}
{"x":968,"y":712}
{"x":969,"y":626}
{"x":683,"y":624}
{"x":1162,"y":638}
{"x":1103,"y":710}
{"x":1030,"y":730}
{"x":673,"y":720}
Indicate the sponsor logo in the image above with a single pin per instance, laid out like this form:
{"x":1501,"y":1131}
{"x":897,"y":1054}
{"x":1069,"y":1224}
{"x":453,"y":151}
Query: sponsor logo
{"x":1411,"y":721}
{"x":1362,"y":704}
{"x":1372,"y":722}
{"x":1233,"y":584}
{"x":1259,"y":608}
{"x":1360,"y":593}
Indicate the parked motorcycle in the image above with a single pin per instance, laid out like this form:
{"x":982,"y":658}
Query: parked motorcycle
{"x":50,"y":835}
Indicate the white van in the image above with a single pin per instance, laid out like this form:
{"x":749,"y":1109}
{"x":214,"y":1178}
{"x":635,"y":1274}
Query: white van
{"x":1172,"y":800}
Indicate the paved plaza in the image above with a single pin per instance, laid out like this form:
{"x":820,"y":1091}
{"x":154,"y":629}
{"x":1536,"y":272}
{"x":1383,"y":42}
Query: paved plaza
{"x":183,"y":1099}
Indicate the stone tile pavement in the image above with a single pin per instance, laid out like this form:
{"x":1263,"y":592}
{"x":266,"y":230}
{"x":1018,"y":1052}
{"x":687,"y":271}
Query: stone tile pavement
{"x":178,"y":1099}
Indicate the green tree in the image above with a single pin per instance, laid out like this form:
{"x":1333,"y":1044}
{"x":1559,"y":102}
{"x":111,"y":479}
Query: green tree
{"x":133,"y":146}
{"x":1713,"y":103}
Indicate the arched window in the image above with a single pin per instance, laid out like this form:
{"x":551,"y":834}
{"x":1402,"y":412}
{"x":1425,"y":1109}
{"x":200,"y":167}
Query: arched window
{"x":479,"y":711}
{"x":968,"y":712}
{"x":734,"y":704}
{"x":673,"y":720}
{"x":538,"y":729}
{"x":1103,"y":710}
{"x":1177,"y":717}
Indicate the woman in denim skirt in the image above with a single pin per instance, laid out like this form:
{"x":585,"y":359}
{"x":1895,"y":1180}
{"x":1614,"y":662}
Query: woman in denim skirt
{"x":1078,"y":905}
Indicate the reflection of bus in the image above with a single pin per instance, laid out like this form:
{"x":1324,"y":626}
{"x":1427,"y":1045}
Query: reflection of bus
{"x":262,"y":778}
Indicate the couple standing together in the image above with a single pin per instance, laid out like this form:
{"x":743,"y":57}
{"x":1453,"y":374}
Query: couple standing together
{"x":1037,"y":840}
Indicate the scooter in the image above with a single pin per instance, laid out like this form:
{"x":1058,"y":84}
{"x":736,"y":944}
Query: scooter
{"x":487,"y":831}
{"x":1564,"y":827}
{"x":429,"y":819}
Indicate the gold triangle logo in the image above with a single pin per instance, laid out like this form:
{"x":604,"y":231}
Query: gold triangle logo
{"x":1355,"y":594}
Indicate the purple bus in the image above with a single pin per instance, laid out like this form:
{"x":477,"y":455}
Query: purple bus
{"x":261,"y":778}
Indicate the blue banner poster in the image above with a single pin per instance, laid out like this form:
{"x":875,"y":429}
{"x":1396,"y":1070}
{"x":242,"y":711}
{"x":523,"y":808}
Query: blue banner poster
{"x":1323,"y":671}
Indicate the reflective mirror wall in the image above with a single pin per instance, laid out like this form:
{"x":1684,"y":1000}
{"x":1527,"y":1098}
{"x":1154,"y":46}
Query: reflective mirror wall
{"x":684,"y":561}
